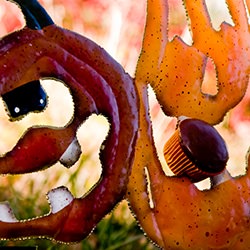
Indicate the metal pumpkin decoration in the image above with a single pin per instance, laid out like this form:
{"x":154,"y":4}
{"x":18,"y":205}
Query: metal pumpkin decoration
{"x":43,"y":50}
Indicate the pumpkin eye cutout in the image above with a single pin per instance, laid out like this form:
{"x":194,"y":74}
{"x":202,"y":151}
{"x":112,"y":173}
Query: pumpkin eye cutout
{"x":30,"y":97}
{"x":196,"y":150}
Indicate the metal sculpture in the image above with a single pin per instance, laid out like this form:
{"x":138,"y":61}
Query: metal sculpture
{"x":171,"y":210}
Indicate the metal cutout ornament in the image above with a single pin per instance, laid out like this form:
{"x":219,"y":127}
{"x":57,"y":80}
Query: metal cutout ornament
{"x":99,"y":85}
{"x":173,"y":212}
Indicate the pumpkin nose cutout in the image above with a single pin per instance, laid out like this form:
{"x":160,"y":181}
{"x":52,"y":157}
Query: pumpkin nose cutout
{"x":30,"y":97}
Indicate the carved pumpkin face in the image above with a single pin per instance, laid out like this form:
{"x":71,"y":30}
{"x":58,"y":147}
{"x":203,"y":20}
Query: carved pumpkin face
{"x":98,"y":84}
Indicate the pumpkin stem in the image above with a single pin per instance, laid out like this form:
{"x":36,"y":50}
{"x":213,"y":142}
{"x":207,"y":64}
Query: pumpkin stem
{"x":35,"y":15}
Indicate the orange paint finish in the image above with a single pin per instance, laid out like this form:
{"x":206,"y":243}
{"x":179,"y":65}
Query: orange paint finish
{"x":196,"y":219}
{"x":177,"y":215}
{"x":182,"y":216}
{"x":175,"y":70}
